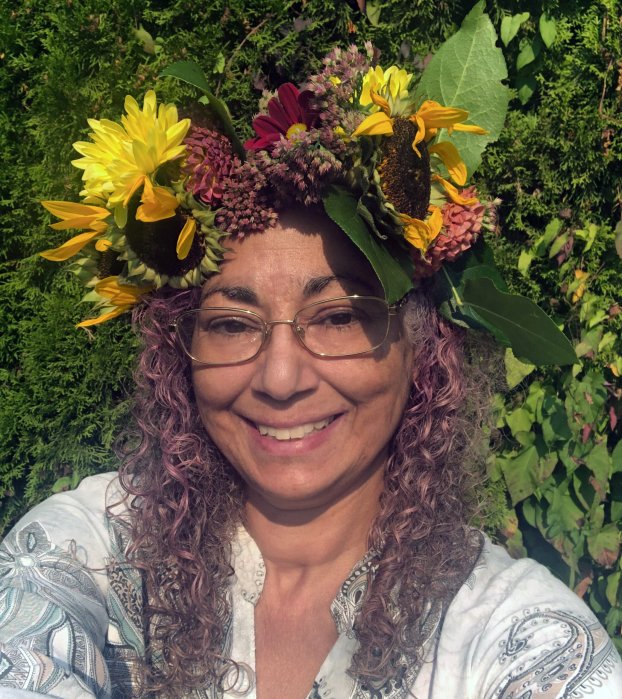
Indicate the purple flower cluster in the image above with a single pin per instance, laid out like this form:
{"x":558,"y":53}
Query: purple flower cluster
{"x":245,"y":206}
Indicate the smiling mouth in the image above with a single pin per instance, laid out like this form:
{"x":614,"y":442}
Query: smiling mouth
{"x":298,"y":432}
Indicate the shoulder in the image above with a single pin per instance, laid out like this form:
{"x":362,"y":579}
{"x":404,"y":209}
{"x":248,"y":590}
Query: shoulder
{"x":513,"y":628}
{"x":71,"y":524}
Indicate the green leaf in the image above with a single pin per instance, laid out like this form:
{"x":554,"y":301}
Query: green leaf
{"x":519,"y":420}
{"x":525,"y":87}
{"x":145,"y":39}
{"x":530,"y":50}
{"x":515,"y":370}
{"x":533,"y":336}
{"x":550,"y":233}
{"x":618,"y":242}
{"x":519,"y":474}
{"x":558,"y":244}
{"x":611,"y":591}
{"x":191,"y":73}
{"x":372,"y":10}
{"x":510,"y":25}
{"x":466,"y":72}
{"x":604,"y":545}
{"x":524,"y":262}
{"x":219,"y":66}
{"x":390,"y":265}
{"x":599,"y":463}
{"x":548,"y":30}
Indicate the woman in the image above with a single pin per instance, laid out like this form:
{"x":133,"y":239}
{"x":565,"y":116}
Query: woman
{"x":292,"y":519}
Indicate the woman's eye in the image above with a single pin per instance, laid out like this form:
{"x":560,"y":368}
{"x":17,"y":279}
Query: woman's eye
{"x":339,"y":318}
{"x":229,"y":326}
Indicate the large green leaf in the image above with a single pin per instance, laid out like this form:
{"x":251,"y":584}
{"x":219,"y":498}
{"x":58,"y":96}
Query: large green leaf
{"x":390,"y":266}
{"x":533,"y":336}
{"x":466,"y":72}
{"x":191,"y":73}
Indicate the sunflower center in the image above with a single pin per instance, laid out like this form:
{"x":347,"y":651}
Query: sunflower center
{"x":405,"y":176}
{"x":294,"y":131}
{"x":108,"y":264}
{"x":155,"y":245}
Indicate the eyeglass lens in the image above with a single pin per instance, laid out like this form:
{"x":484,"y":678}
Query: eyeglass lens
{"x":336,"y":327}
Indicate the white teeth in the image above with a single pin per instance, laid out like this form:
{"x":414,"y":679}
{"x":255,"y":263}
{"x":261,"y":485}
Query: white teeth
{"x":298,"y":432}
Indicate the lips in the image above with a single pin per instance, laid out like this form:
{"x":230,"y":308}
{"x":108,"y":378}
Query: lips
{"x":296,"y":432}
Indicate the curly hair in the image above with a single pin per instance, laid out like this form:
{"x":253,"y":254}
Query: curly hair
{"x":186,"y":503}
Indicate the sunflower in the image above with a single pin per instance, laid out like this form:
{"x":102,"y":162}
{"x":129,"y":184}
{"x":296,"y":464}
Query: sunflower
{"x":409,"y":176}
{"x":122,"y":158}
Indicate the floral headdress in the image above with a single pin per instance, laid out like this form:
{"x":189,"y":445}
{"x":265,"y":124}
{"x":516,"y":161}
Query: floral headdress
{"x":161,"y":195}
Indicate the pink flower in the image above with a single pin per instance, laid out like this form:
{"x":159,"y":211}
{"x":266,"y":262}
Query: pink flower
{"x":210,"y":160}
{"x":462,"y":225}
{"x":288,"y":114}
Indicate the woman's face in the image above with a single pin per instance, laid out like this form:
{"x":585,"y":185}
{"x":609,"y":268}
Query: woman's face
{"x":350,"y":407}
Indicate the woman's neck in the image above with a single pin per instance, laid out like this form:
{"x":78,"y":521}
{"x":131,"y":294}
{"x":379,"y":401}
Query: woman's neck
{"x":306,"y":541}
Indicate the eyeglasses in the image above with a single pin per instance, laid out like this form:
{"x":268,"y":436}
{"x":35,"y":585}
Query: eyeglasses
{"x":345,"y":326}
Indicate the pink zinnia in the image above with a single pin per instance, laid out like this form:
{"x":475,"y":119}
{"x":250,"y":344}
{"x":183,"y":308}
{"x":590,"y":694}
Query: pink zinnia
{"x":210,"y":160}
{"x":288,"y":114}
{"x":461,"y":227}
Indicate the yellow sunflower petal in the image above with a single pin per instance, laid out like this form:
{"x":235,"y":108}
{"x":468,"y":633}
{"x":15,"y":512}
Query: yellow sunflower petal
{"x":471,"y":128}
{"x":379,"y":101}
{"x":378,"y":124}
{"x":437,"y":116}
{"x":80,"y":222}
{"x":417,"y":232}
{"x":184,"y":242}
{"x":69,"y":209}
{"x":104,"y":317}
{"x":435,"y":221}
{"x":102,"y":245}
{"x":120,"y":294}
{"x":69,"y":248}
{"x":420,"y":136}
{"x":157,"y":203}
{"x":453,"y":193}
{"x":450,"y":156}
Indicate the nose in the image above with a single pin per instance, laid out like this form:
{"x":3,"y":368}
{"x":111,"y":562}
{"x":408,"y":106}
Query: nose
{"x":284,"y":367}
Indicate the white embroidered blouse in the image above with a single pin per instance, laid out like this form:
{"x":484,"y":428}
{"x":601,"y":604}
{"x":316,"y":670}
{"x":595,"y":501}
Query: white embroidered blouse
{"x":71,"y":628}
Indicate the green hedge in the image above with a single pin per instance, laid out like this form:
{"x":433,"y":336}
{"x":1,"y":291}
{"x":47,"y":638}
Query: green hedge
{"x":557,"y":470}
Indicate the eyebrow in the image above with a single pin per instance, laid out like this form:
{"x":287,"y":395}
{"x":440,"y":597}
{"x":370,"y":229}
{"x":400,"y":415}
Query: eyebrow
{"x":313,"y":287}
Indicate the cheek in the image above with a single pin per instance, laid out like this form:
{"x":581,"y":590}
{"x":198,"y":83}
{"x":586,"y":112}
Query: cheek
{"x":215,"y":389}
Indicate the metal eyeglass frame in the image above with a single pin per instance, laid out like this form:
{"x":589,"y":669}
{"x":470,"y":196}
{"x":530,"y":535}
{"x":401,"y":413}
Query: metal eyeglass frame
{"x":393,"y":309}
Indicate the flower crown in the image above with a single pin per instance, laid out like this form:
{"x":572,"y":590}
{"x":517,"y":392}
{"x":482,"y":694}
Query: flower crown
{"x":162,"y":194}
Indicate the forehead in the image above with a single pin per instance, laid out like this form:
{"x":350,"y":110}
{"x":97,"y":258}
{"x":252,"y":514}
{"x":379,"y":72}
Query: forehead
{"x":303,"y":255}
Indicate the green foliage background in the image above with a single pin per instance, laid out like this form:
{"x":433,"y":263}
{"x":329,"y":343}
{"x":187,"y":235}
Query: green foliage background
{"x":557,"y":469}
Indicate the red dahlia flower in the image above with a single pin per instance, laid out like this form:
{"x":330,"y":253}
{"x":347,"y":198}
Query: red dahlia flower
{"x":288,"y":115}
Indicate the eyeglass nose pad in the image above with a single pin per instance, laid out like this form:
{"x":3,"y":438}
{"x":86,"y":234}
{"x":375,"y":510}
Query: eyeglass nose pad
{"x":300,"y":331}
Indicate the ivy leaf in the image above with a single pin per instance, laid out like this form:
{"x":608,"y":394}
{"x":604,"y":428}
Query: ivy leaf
{"x":604,"y":545}
{"x":525,"y":87}
{"x":515,"y":370}
{"x":510,"y":25}
{"x":519,"y":474}
{"x":373,"y":13}
{"x":191,"y":73}
{"x":548,"y":30}
{"x":530,"y":50}
{"x":391,"y":265}
{"x":533,"y":336}
{"x":466,"y":72}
